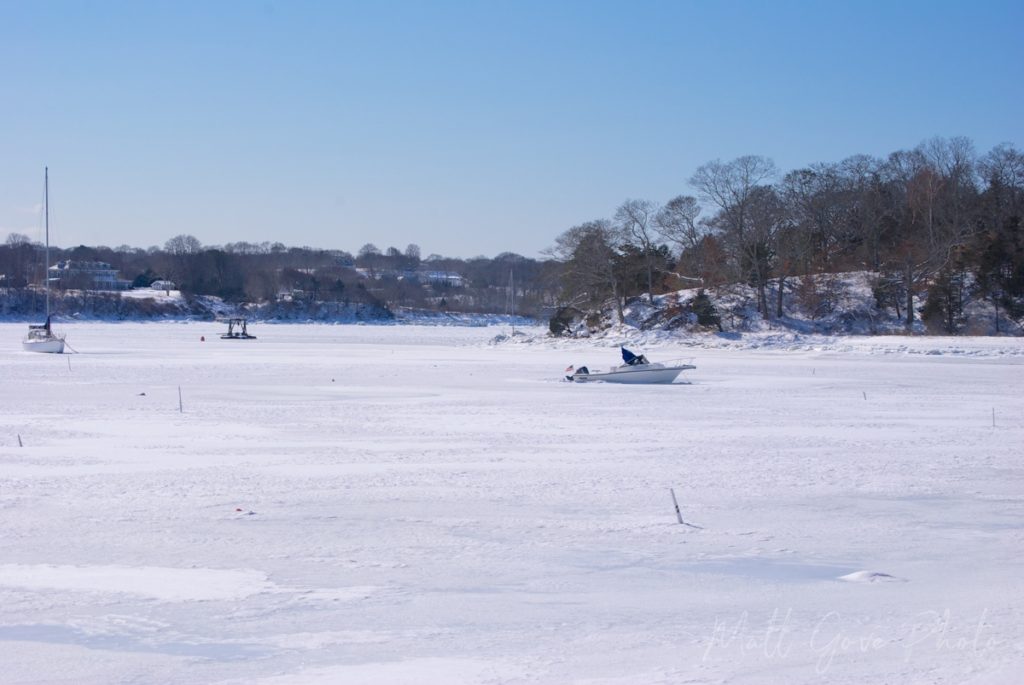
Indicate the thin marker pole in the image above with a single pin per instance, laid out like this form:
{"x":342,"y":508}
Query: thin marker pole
{"x":19,"y":441}
{"x":679,"y":515}
{"x":675,"y":503}
{"x":181,"y":408}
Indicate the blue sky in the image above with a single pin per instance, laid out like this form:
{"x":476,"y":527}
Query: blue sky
{"x":465,"y":127}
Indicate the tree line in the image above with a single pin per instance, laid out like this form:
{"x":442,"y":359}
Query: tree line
{"x":938,"y":224}
{"x":245,"y":272}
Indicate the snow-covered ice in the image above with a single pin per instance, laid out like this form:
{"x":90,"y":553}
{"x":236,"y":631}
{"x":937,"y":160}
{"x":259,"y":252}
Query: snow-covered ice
{"x":408,"y":504}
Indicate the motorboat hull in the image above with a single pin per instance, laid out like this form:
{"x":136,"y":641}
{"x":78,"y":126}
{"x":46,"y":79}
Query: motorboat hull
{"x":646,"y":374}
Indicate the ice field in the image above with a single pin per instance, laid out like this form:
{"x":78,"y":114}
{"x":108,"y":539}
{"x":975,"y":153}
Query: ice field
{"x":408,"y":504}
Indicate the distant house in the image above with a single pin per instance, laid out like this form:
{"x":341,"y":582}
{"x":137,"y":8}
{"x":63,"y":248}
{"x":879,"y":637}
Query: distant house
{"x":85,"y":275}
{"x":426,"y":276}
{"x":449,"y":278}
{"x":163,"y":285}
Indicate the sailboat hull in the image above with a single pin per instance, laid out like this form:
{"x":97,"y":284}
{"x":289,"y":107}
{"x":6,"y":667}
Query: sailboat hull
{"x":52,"y":345}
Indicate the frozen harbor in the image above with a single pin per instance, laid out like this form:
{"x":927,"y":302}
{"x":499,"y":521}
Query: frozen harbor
{"x":404,"y":504}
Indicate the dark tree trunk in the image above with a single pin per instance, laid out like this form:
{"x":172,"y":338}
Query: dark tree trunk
{"x":762,"y":297}
{"x":909,"y":279}
{"x":778,"y":299}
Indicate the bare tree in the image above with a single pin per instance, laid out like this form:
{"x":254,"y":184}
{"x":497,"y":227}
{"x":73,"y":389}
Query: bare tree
{"x":729,"y":185}
{"x":183,"y":245}
{"x":676,"y":223}
{"x":916,"y":250}
{"x":17,"y":255}
{"x":590,"y":256}
{"x":635,"y":220}
{"x":767,"y":222}
{"x":1003,"y":166}
{"x":368,"y":250}
{"x":999,"y":248}
{"x":184,"y":251}
{"x":734,"y":188}
{"x":370,"y":257}
{"x":864,"y":219}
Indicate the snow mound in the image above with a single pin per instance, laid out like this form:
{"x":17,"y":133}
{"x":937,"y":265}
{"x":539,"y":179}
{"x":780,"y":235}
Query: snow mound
{"x":870,"y":577}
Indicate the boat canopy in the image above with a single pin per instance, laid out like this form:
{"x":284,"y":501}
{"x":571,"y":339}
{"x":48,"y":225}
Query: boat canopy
{"x":633,"y":359}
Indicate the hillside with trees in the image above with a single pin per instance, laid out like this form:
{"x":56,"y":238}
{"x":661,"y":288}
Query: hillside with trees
{"x":933,"y":235}
{"x":936,"y":230}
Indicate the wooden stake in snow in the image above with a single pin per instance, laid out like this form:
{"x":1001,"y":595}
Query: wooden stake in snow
{"x":181,"y":408}
{"x":679,"y":515}
{"x":993,"y":417}
{"x":865,"y":394}
{"x":19,"y":441}
{"x":676,"y":504}
{"x":69,"y":362}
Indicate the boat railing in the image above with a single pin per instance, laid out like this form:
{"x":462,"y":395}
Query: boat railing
{"x":684,"y":361}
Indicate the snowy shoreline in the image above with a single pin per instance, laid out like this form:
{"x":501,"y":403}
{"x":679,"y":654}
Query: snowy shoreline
{"x":496,"y":330}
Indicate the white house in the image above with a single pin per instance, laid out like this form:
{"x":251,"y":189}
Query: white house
{"x":70,"y":273}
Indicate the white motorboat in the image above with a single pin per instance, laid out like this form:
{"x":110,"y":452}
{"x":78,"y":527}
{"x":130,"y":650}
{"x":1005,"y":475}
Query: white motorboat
{"x":41,"y":337}
{"x":635,"y":370}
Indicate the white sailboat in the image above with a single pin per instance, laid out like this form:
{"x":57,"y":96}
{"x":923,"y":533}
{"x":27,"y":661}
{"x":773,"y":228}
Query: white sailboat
{"x":40,"y":337}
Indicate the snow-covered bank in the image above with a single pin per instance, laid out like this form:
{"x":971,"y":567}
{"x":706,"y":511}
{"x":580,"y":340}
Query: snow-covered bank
{"x":677,"y":342}
{"x":147,"y":305}
{"x":412,"y":504}
{"x":839,"y":304}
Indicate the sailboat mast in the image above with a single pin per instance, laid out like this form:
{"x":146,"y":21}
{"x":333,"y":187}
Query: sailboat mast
{"x":512,"y":287}
{"x":46,"y":223}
